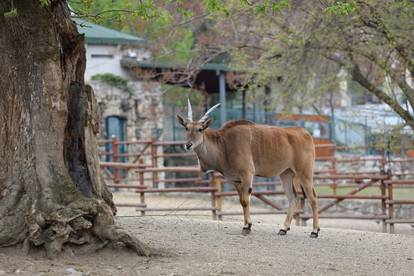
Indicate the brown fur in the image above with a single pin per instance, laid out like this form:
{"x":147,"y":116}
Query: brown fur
{"x":243,"y":149}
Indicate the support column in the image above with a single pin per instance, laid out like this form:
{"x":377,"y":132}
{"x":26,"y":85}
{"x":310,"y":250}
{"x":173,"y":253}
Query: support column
{"x":266,"y":104}
{"x":222,"y":84}
{"x":244,"y":104}
{"x":255,"y":107}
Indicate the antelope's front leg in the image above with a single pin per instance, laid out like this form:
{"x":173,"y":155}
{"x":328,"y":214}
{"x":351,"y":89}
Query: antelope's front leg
{"x":244,"y":193}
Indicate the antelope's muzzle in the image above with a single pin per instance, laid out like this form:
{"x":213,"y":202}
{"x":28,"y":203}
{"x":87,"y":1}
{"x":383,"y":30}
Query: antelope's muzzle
{"x":188,"y":146}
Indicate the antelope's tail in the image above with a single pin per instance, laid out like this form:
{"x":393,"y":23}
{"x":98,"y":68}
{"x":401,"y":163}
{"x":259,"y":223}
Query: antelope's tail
{"x":296,"y":186}
{"x":296,"y":191}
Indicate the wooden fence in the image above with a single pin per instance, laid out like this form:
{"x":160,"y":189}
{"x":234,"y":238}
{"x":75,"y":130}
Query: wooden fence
{"x":141,"y":160}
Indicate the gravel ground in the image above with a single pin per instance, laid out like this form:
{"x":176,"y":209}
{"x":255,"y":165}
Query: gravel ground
{"x":191,"y":246}
{"x":191,"y":243}
{"x":232,"y":204}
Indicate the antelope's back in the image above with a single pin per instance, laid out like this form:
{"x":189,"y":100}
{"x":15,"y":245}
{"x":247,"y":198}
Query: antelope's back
{"x":275,"y":149}
{"x":265,"y":138}
{"x":271,"y":149}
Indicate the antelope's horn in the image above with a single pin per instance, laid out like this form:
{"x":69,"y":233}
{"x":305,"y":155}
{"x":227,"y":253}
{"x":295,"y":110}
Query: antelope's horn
{"x":205,"y":117}
{"x":190,"y":111}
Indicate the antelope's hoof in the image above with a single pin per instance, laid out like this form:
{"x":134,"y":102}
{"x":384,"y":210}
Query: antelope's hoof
{"x":247,"y":229}
{"x":315,"y":234}
{"x":283,"y":232}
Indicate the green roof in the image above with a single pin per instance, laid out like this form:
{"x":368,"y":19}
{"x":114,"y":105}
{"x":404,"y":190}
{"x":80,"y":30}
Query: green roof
{"x":96,"y":34}
{"x":126,"y":62}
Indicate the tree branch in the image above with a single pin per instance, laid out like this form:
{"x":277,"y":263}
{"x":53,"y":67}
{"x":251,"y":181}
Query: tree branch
{"x":360,"y":78}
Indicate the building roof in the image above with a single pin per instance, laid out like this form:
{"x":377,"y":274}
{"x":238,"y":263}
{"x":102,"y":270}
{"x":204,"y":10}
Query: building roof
{"x":96,"y":34}
{"x":128,"y":63}
{"x":206,"y":78}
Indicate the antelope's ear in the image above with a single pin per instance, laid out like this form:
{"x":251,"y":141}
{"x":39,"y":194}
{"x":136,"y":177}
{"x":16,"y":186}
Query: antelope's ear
{"x":206,"y":123}
{"x":181,"y":120}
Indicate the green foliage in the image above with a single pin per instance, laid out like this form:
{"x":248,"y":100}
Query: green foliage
{"x":342,"y":8}
{"x":11,"y":14}
{"x":107,"y":12}
{"x":214,"y":6}
{"x":153,"y":20}
{"x":280,"y":5}
{"x":113,"y":80}
{"x":45,"y":3}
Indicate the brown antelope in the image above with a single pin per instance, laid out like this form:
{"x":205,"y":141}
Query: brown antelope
{"x":242,"y":149}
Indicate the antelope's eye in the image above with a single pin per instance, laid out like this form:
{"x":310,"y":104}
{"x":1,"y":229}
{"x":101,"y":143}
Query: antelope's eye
{"x":200,"y":130}
{"x":186,"y":128}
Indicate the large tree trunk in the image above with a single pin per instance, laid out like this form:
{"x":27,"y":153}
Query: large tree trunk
{"x":50,"y":191}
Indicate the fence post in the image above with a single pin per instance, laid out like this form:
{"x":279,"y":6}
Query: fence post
{"x":213,"y":195}
{"x":154,"y":161}
{"x":219,"y":199}
{"x":334,"y":173}
{"x":383,"y":205}
{"x":141,"y":183}
{"x":115,"y":158}
{"x":391,"y":206}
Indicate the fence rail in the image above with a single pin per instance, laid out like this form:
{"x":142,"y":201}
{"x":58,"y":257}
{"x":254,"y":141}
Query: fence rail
{"x":147,"y":174}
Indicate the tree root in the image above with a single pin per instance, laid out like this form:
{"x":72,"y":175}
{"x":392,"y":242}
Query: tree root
{"x":105,"y":228}
{"x":92,"y":223}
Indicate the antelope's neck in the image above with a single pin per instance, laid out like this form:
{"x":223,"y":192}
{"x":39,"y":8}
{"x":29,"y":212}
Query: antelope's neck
{"x":209,"y":152}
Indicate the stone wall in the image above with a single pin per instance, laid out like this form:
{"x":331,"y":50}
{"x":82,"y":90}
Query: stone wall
{"x":141,"y":108}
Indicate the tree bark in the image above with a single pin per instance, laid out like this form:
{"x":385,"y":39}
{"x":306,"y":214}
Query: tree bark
{"x":50,"y":192}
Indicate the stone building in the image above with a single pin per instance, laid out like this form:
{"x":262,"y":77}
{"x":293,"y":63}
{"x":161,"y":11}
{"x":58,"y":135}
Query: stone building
{"x":137,"y":105}
{"x":131,"y":109}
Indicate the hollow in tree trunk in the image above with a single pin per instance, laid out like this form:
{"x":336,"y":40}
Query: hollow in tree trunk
{"x":50,"y":192}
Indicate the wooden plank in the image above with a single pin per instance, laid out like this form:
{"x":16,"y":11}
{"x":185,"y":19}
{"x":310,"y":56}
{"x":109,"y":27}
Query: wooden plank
{"x":118,"y":165}
{"x":268,"y":202}
{"x":339,"y":216}
{"x":396,"y":221}
{"x":174,"y":180}
{"x":183,"y":154}
{"x":333,"y":203}
{"x":178,"y":190}
{"x":171,"y":169}
{"x":352,"y":177}
{"x":176,"y":209}
{"x":352,"y":197}
{"x":170,"y":143}
{"x":149,"y":169}
{"x":137,"y":205}
{"x":141,"y":152}
{"x":234,"y":193}
{"x":400,"y":202}
{"x":138,"y":142}
{"x":270,"y":212}
{"x":126,"y":186}
{"x":109,"y":174}
{"x":400,"y":181}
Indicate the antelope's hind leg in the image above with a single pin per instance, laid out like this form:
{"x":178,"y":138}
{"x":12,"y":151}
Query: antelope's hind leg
{"x":245,"y":189}
{"x":307,"y":186}
{"x":288,"y":186}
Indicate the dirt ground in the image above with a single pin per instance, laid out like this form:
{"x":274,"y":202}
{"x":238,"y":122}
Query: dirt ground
{"x":196,"y":245}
